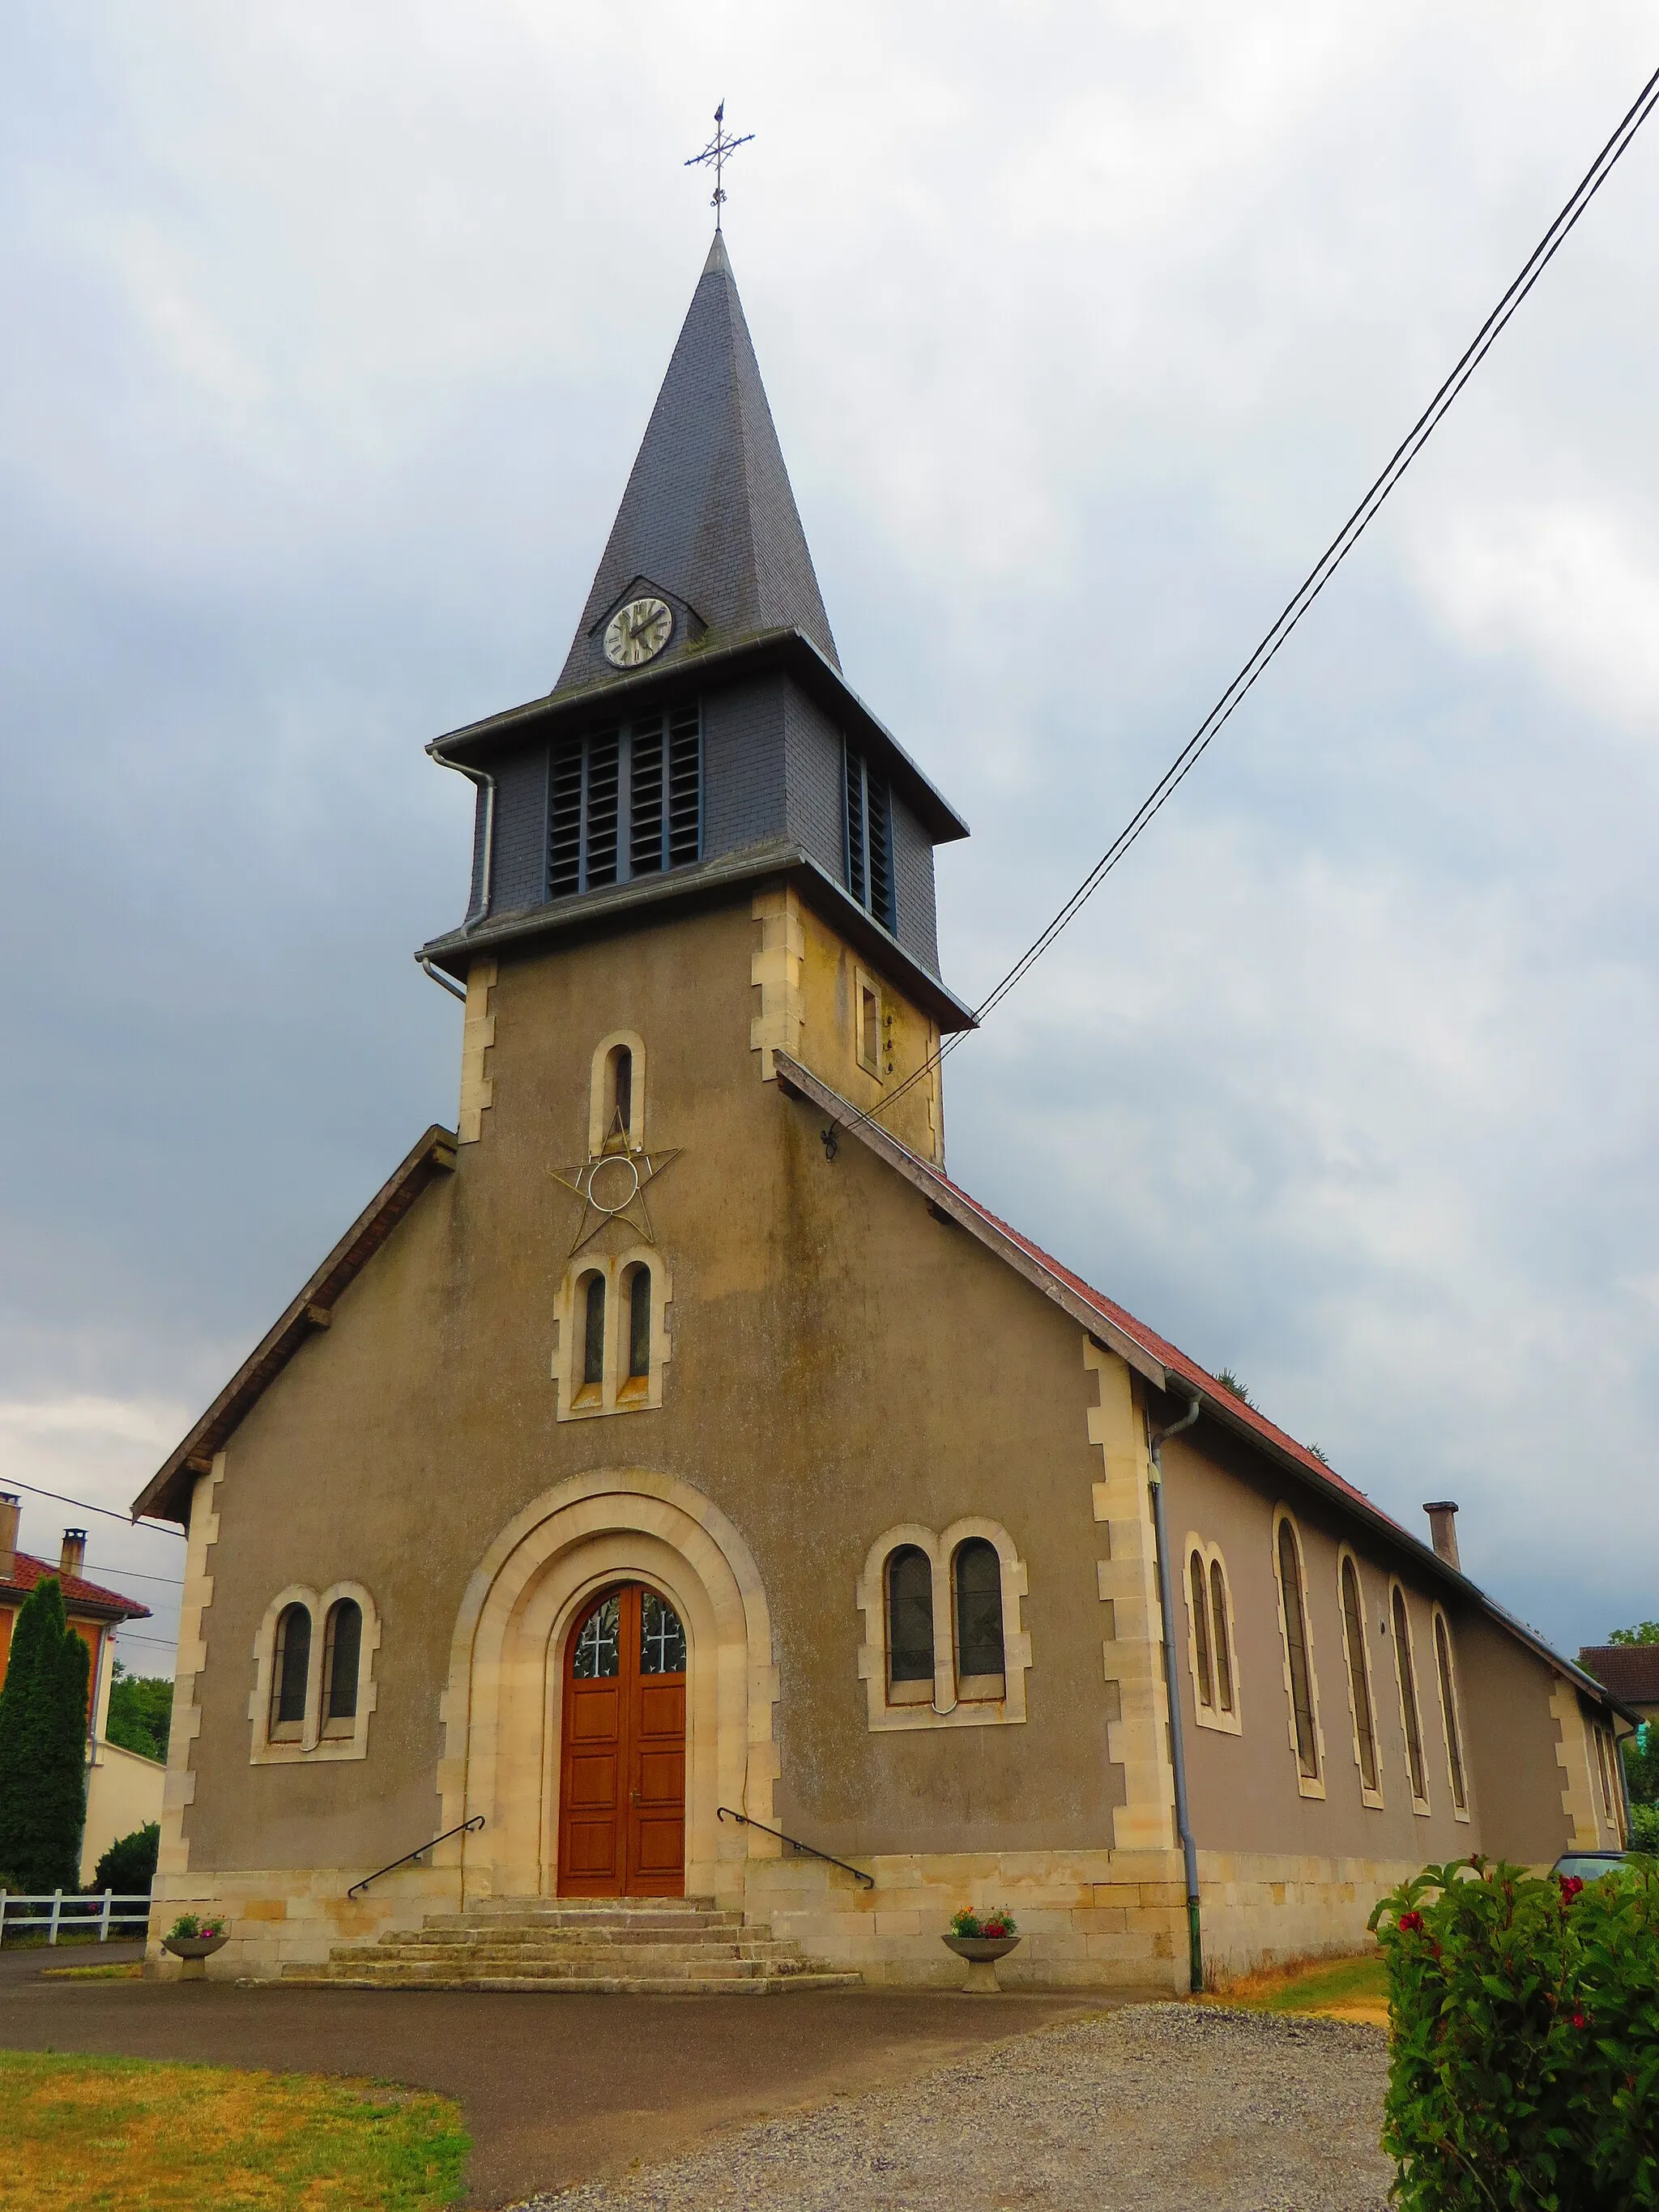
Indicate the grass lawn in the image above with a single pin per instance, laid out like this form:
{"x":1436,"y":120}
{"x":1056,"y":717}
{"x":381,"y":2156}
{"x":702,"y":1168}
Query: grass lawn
{"x":127,"y":2135}
{"x":1340,"y":1989}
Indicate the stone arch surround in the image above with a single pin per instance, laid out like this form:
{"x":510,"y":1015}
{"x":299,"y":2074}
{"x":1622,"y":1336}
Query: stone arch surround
{"x":501,"y":1709}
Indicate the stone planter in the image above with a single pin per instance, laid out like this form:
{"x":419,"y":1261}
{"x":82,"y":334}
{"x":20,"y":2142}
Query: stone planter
{"x":982,"y":1952}
{"x":195,"y":1951}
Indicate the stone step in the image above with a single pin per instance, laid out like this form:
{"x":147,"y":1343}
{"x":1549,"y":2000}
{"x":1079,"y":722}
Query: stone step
{"x":615,"y":1916}
{"x":417,"y":1948}
{"x":595,"y":1930}
{"x":542,"y":1970}
{"x":597,"y":1985}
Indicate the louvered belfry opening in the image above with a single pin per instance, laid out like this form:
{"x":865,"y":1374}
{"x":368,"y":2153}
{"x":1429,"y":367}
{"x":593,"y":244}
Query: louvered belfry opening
{"x":869,"y":826}
{"x":625,"y":801}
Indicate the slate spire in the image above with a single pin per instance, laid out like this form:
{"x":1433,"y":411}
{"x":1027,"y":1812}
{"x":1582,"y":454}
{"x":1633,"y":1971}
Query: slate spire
{"x":707,"y":518}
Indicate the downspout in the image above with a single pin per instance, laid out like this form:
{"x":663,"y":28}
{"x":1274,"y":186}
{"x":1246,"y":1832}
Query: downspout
{"x":1172,"y":1684}
{"x":486,"y":783}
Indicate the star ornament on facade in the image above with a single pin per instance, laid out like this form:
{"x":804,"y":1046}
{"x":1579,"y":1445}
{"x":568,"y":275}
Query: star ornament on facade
{"x":611,"y":1185}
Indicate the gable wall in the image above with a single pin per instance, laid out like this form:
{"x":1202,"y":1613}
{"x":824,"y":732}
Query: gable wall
{"x":840,"y":1362}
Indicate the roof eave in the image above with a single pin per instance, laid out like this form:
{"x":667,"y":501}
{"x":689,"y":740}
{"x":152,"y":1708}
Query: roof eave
{"x":707,"y":883}
{"x":166,"y":1496}
{"x":945,"y":1199}
{"x":791,"y":648}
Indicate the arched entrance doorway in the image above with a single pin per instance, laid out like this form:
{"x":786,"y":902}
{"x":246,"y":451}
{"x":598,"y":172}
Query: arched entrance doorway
{"x":622,"y":1768}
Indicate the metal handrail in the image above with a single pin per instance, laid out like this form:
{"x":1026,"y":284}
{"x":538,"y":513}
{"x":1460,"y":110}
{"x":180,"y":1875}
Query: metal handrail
{"x":725,"y":1813}
{"x":408,"y":1859}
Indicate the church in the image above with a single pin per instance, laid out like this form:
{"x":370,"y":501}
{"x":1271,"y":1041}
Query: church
{"x":679,"y":1538}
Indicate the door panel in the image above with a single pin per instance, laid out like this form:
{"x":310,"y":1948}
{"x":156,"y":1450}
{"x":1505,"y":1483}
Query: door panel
{"x":622,"y":1799}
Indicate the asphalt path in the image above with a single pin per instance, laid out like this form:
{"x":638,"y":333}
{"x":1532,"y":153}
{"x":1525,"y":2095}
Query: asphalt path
{"x":556,"y":2089}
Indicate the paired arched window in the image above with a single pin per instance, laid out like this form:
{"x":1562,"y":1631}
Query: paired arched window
{"x":314,"y":1690}
{"x":1411,"y":1715}
{"x":1298,"y":1655}
{"x":611,"y":1344}
{"x":1449,"y":1715}
{"x":943,"y":1635}
{"x":1210,"y":1648}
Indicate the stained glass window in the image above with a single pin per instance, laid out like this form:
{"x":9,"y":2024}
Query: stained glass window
{"x":1295,"y":1652}
{"x":979,"y":1608}
{"x":1353,"y":1622}
{"x":344,"y":1648}
{"x":1402,"y":1660}
{"x":599,"y":1648}
{"x":1201,"y":1609}
{"x":291,"y":1666}
{"x":662,"y":1639}
{"x":911,"y":1616}
{"x":1223,"y":1651}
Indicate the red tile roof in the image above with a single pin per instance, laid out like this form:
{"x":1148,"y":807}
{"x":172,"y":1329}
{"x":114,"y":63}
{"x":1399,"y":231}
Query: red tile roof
{"x":1631,"y":1671}
{"x":79,"y":1594}
{"x":1169,"y":1357}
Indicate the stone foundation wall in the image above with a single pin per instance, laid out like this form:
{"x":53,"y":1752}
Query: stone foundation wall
{"x":1090,"y":1919}
{"x":280,"y":1917}
{"x":1109,"y":1920}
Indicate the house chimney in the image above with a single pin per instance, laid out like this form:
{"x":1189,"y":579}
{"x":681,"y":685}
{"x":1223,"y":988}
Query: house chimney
{"x":9,"y":1510}
{"x":74,"y":1555}
{"x":1443,"y":1532}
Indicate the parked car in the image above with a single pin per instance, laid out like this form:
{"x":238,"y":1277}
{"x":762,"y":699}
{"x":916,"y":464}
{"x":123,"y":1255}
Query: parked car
{"x":1589,"y":1866}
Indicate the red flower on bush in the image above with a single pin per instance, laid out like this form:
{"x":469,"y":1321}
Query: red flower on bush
{"x":1578,"y":2020}
{"x":1411,"y":1924}
{"x":1571,"y":1886}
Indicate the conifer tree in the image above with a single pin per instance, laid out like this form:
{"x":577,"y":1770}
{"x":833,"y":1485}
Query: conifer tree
{"x":43,"y":1740}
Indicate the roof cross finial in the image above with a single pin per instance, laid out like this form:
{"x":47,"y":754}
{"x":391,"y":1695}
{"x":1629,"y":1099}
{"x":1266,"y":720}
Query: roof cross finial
{"x":720,"y":147}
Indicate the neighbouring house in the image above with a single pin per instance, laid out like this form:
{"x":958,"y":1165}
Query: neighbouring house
{"x":1630,"y":1671}
{"x":671,"y":1458}
{"x":123,"y":1791}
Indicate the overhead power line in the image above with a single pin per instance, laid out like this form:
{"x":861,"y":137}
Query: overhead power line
{"x":1311,"y":585}
{"x":83,"y":1505}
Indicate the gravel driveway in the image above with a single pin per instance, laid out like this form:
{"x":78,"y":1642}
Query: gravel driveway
{"x":1160,"y":2108}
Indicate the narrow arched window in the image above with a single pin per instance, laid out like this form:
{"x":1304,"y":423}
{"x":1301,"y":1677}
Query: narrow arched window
{"x":1443,"y":1660}
{"x":1295,"y":1652}
{"x":909,"y":1617}
{"x":342,"y":1650}
{"x":979,"y":1619}
{"x":290,"y":1670}
{"x":1360,"y":1688}
{"x":1408,"y":1707}
{"x":593,"y":1332}
{"x":639,"y":1325}
{"x":619,"y":1096}
{"x":1223,"y":1645}
{"x":1198,"y":1600}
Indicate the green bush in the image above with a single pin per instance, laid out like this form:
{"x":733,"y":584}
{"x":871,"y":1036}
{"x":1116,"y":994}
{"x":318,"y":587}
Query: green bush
{"x":1524,"y":2068}
{"x":140,"y":1712}
{"x":128,"y":1867}
{"x":1644,"y":1827}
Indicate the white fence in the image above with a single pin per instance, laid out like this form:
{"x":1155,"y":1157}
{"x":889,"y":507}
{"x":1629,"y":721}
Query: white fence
{"x":72,"y":1914}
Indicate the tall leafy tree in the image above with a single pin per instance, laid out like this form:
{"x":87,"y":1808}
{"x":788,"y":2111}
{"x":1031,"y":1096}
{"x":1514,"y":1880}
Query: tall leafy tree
{"x":43,"y":1743}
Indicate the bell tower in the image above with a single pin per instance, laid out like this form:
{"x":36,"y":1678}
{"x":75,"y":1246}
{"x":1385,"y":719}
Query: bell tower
{"x":701,"y":747}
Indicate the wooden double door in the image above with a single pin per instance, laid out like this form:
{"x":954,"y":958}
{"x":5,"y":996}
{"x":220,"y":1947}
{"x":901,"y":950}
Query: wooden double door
{"x":621,"y":1794}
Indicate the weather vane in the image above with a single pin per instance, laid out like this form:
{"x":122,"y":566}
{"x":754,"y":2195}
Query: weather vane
{"x":720,"y":147}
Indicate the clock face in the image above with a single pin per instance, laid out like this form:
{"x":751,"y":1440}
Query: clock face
{"x":638,"y":632}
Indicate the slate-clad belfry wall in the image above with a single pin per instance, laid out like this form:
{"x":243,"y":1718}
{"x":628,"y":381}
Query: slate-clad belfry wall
{"x":843,"y":1362}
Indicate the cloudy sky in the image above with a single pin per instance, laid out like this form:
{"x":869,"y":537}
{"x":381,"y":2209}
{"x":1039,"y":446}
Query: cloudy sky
{"x":331,"y":335}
